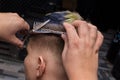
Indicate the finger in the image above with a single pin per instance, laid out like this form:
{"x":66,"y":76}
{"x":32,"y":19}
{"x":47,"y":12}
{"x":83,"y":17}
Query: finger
{"x":14,"y":14}
{"x":24,"y":29}
{"x":64,"y":37}
{"x":99,"y":41}
{"x":71,"y":33}
{"x":93,"y":34}
{"x":82,"y":28}
{"x":17,"y":41}
{"x":25,"y":26}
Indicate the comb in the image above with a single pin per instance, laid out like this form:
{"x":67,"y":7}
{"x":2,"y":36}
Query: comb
{"x":37,"y":26}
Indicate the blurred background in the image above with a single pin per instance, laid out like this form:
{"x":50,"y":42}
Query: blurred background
{"x":105,"y":15}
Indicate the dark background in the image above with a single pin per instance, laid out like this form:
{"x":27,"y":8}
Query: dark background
{"x":104,"y":14}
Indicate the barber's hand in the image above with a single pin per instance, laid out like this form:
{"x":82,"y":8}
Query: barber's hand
{"x":80,"y":54}
{"x":10,"y":24}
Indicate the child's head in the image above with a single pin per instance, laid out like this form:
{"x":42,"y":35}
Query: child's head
{"x":44,"y":61}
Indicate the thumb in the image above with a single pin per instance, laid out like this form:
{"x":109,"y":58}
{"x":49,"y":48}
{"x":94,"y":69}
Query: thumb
{"x":17,"y":42}
{"x":24,"y":26}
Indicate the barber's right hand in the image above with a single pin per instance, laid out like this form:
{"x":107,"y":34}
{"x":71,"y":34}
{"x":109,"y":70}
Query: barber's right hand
{"x":10,"y":24}
{"x":80,"y":54}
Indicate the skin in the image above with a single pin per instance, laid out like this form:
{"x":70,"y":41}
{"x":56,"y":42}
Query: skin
{"x":80,"y":54}
{"x":10,"y":24}
{"x":48,"y":69}
{"x":43,"y":62}
{"x":79,"y":57}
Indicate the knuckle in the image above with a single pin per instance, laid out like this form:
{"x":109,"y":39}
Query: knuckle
{"x":9,"y":13}
{"x":15,"y":14}
{"x":83,"y":22}
{"x":20,"y":21}
{"x":71,"y":28}
{"x":79,"y":22}
{"x":92,"y":26}
{"x":75,"y":44}
{"x":76,"y":21}
{"x":100,"y":35}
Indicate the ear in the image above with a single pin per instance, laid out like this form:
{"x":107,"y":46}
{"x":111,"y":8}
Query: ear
{"x":41,"y":67}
